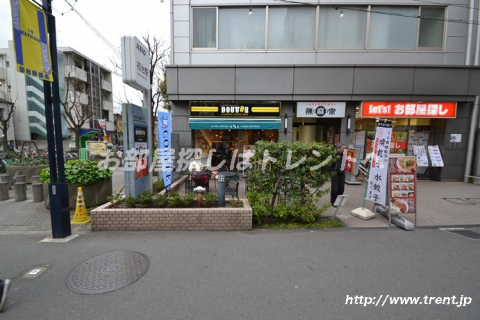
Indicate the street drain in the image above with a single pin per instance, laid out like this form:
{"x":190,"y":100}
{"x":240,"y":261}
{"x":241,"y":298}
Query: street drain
{"x":108,"y":272}
{"x":467,"y":233}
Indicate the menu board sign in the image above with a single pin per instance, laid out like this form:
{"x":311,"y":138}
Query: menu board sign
{"x":403,"y":184}
{"x":435,"y":156}
{"x":377,"y":180}
{"x":421,"y":156}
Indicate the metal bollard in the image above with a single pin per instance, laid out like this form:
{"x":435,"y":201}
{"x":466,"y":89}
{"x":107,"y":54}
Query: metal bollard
{"x":4,"y":191}
{"x":21,"y":178}
{"x":37,"y":189}
{"x":6,"y":178}
{"x":20,"y":189}
{"x":221,"y":190}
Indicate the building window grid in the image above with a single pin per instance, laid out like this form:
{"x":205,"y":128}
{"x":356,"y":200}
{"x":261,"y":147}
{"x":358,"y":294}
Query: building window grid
{"x":368,"y":9}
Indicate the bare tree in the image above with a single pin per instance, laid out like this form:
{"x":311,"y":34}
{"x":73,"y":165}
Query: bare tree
{"x":7,"y":110}
{"x":158,"y":53}
{"x":158,"y":58}
{"x":76,"y":112}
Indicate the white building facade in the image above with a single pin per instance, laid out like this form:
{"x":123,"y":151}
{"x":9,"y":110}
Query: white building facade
{"x":93,"y":87}
{"x":244,"y":71}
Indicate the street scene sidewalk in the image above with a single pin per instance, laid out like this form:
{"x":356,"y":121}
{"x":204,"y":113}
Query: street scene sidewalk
{"x":438,"y":204}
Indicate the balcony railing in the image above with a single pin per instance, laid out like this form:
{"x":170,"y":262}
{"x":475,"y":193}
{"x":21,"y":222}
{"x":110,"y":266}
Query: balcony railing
{"x":78,"y":97}
{"x":74,"y":72}
{"x":3,"y":74}
{"x":107,"y":105}
{"x":107,"y":86}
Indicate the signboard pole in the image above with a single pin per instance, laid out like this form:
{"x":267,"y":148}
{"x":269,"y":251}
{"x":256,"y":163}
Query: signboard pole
{"x":58,"y":190}
{"x":148,"y":105}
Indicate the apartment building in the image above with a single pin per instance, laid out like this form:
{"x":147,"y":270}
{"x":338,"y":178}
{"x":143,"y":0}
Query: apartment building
{"x":88,"y":84}
{"x":5,"y":103}
{"x":244,"y":71}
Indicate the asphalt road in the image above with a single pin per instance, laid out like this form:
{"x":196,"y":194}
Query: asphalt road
{"x":262,"y":274}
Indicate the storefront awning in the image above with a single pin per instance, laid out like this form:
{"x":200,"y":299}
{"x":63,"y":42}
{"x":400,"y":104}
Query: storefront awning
{"x":234,"y":123}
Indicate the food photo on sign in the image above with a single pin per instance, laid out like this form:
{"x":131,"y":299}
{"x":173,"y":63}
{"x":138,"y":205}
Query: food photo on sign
{"x":402,"y":173}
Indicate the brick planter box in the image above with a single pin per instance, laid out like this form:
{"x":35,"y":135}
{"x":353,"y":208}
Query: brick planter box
{"x":93,"y":194}
{"x":105,"y":218}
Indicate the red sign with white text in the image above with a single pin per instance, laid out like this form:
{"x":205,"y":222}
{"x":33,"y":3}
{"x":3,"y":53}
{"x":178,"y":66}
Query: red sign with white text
{"x":399,"y":109}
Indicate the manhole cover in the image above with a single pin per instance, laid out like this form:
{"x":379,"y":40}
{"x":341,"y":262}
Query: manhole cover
{"x":108,"y":272}
{"x":467,"y":233}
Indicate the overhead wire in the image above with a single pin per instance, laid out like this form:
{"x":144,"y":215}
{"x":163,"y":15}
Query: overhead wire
{"x":115,"y":50}
{"x":359,"y":9}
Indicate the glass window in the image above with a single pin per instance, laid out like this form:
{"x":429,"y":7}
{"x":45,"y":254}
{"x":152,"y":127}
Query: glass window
{"x":204,"y":28}
{"x":239,"y":30}
{"x":347,"y":32}
{"x":393,"y":27}
{"x":431,"y":27}
{"x":291,"y":28}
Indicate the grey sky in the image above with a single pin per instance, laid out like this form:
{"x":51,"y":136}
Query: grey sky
{"x":111,"y":18}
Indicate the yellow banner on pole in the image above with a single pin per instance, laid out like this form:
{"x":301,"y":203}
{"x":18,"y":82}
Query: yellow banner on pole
{"x":31,"y":40}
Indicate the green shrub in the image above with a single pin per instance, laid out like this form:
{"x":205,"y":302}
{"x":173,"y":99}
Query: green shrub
{"x":79,"y":171}
{"x":116,"y":200}
{"x":33,"y":161}
{"x":189,"y":200}
{"x":236,"y":203}
{"x":158,"y":185}
{"x":130,"y":202}
{"x":209,"y":199}
{"x":288,"y":179}
{"x":160,"y":200}
{"x":175,"y":200}
{"x":145,"y":199}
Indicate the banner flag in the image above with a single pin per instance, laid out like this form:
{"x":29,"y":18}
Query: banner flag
{"x":31,"y":40}
{"x":165,"y":144}
{"x":377,"y":179}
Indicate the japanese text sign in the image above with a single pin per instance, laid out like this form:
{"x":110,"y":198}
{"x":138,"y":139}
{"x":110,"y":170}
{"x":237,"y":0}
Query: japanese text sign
{"x":395,"y":109}
{"x":377,"y":180}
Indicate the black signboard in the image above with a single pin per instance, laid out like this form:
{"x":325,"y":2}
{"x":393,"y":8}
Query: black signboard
{"x":235,"y":109}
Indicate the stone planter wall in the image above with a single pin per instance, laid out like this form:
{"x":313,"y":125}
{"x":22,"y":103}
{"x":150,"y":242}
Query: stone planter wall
{"x":94,"y":194}
{"x":105,"y":218}
{"x":28,"y":172}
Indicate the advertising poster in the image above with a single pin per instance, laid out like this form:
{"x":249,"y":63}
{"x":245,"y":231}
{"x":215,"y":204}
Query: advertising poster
{"x":421,"y":156}
{"x":416,"y":138}
{"x":377,"y":180}
{"x":103,"y":125}
{"x":435,"y":156}
{"x":30,"y":37}
{"x":165,"y":144}
{"x":350,"y":162}
{"x":98,"y":148}
{"x":398,"y":143}
{"x":138,"y":177}
{"x":141,"y":160}
{"x":403,"y":185}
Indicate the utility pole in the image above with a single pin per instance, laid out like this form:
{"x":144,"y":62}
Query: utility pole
{"x":57,"y":188}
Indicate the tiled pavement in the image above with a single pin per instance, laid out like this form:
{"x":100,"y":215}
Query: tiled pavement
{"x":439,"y":204}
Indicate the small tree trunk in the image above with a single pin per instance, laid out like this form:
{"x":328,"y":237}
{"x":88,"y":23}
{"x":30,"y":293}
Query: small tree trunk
{"x":5,"y":142}
{"x":76,"y":130}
